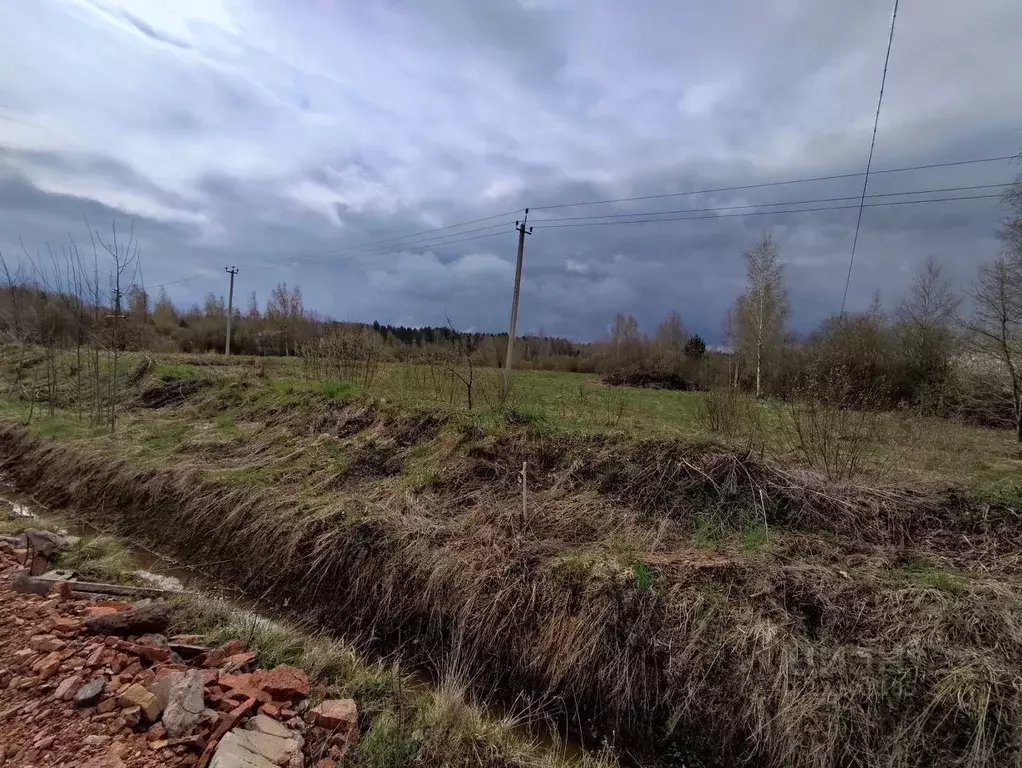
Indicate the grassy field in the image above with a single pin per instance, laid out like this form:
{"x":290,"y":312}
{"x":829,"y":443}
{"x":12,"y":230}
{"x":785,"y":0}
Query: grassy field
{"x":658,"y":588}
{"x":904,"y":448}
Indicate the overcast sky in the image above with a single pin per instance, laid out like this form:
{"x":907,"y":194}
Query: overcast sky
{"x":277,"y":135}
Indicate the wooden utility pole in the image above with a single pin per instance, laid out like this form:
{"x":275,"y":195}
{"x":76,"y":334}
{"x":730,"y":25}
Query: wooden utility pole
{"x":522,"y":232}
{"x":232,"y":271}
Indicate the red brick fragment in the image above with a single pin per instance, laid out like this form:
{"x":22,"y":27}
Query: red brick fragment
{"x":285,"y":682}
{"x":270,"y":710}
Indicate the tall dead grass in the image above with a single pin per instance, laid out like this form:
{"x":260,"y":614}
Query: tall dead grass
{"x":791,"y":664}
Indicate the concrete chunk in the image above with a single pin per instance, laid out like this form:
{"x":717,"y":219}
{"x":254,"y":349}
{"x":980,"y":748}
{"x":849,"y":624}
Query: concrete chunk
{"x":277,"y":750}
{"x":231,"y":752}
{"x":270,"y":726}
{"x":185,"y":703}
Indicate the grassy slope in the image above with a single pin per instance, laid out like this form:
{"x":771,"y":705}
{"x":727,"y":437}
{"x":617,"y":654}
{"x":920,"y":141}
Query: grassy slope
{"x":850,"y":626}
{"x":409,"y":722}
{"x":913,"y":448}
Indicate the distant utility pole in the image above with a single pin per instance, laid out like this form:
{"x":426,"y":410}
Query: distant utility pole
{"x":232,"y":271}
{"x":522,"y":232}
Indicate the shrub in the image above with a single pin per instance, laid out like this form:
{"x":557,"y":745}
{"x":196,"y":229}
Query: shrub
{"x":347,"y":353}
{"x":646,"y":375}
{"x":834,"y":423}
{"x":724,"y":411}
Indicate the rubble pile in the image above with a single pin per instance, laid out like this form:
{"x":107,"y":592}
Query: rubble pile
{"x":98,"y":683}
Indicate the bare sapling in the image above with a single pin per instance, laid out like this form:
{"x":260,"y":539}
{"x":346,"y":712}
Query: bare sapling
{"x":460,"y":363}
{"x":836,"y":427}
{"x":995,"y":327}
{"x":124,"y":265}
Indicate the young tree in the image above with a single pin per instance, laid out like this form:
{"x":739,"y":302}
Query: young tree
{"x":625,"y":331}
{"x":625,"y":340}
{"x":459,"y":360}
{"x":285,"y":312}
{"x":761,"y":313}
{"x":996,"y":326}
{"x":164,"y":313}
{"x":123,"y":270}
{"x":669,"y":340}
{"x":925,"y":331}
{"x":695,"y":347}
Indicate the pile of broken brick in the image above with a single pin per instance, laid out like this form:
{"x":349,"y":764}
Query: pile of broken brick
{"x":110,"y":667}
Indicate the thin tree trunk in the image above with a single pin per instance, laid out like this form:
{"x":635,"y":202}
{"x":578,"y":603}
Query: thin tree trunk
{"x":759,"y":366}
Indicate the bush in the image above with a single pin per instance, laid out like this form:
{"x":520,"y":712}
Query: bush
{"x":346,"y":353}
{"x":728,"y":411}
{"x":834,"y":423}
{"x":648,"y":376}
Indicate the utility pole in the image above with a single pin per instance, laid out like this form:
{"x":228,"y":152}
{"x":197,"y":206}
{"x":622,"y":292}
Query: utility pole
{"x":522,"y":232}
{"x":232,"y":271}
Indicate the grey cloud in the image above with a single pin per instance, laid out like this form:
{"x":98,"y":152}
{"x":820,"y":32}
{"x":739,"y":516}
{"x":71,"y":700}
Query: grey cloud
{"x":153,"y":34}
{"x":279,"y":138}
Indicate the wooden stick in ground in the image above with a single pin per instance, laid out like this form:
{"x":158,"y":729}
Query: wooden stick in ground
{"x":525,"y":497}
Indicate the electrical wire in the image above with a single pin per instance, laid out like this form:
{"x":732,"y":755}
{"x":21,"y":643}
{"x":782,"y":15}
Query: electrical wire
{"x":729,"y":211}
{"x":869,"y":161}
{"x":311,"y":258}
{"x":787,"y":202}
{"x":761,"y":185}
{"x":768,"y":213}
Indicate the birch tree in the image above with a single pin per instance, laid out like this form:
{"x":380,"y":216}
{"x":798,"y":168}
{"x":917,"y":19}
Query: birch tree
{"x":996,"y":323}
{"x":996,"y":326}
{"x":670,"y":338}
{"x":926,"y":318}
{"x":761,"y":313}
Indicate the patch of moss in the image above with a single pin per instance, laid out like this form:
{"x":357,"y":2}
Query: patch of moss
{"x":574,"y":569}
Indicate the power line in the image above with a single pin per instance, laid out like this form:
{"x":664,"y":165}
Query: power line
{"x":769,"y":213}
{"x":425,"y":232}
{"x":435,"y":241}
{"x":384,"y":252}
{"x":869,"y":161}
{"x":457,"y":239}
{"x":805,"y":180}
{"x":786,"y":202}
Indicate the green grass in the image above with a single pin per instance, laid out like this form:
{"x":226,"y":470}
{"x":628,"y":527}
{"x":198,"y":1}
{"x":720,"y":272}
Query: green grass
{"x":338,"y":390}
{"x":755,"y":538}
{"x":645,"y":577}
{"x":911,"y":448}
{"x":100,"y":558}
{"x":244,"y":476}
{"x":922,"y":573}
{"x":176,"y":371}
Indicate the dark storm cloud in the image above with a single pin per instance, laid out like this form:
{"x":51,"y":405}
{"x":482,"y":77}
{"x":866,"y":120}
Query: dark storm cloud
{"x":281,"y":137}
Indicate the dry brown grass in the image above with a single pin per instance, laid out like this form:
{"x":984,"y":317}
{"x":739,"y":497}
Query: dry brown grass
{"x":832,"y":646}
